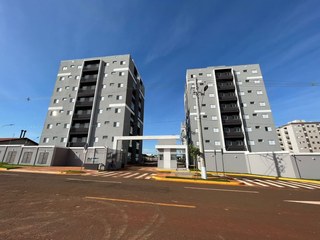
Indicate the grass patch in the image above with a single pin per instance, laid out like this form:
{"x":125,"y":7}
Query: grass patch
{"x":197,"y":179}
{"x":73,"y":171}
{"x":9,"y":166}
{"x":208,"y":175}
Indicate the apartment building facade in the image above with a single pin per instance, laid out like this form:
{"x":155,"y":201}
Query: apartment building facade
{"x":235,"y":110}
{"x":300,"y":136}
{"x":94,"y":100}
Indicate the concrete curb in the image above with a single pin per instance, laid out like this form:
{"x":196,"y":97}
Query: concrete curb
{"x":3,"y":169}
{"x":266,"y":177}
{"x":197,"y":181}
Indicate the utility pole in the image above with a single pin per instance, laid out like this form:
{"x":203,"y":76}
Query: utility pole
{"x":200,"y":136}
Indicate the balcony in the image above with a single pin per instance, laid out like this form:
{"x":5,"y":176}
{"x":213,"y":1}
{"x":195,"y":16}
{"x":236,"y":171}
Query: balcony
{"x":82,"y":93}
{"x":226,"y":87}
{"x":235,"y":148}
{"x":223,"y":76}
{"x":90,"y":79}
{"x":79,"y":130}
{"x":231,"y":121}
{"x":94,"y":67}
{"x":229,"y":110}
{"x":76,"y":144}
{"x":81,"y":116}
{"x":227,"y":98}
{"x":233,"y":134}
{"x":84,"y":104}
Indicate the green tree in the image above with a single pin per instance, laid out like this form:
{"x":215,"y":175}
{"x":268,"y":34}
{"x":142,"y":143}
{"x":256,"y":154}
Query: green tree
{"x":195,"y":153}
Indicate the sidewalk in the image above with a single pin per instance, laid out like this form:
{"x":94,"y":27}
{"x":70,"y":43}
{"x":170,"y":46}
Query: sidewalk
{"x":48,"y":170}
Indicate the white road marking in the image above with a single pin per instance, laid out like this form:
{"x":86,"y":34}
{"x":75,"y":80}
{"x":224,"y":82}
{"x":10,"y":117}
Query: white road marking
{"x":150,"y":176}
{"x":285,"y":184}
{"x":306,"y":202}
{"x":222,"y":190}
{"x":263,"y":185}
{"x":141,"y":176}
{"x":299,"y":185}
{"x":85,"y":180}
{"x":129,"y":176}
{"x":309,"y":185}
{"x":122,"y":174}
{"x":249,"y":184}
{"x":273,"y":184}
{"x":107,"y":174}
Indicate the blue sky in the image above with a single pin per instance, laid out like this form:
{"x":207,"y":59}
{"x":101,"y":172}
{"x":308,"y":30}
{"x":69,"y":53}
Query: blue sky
{"x":165,"y":38}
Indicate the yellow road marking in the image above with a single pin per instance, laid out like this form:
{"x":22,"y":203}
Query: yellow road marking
{"x":132,"y":201}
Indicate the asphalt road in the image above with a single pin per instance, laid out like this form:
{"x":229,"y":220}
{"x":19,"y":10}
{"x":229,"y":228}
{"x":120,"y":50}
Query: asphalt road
{"x":40,"y":206}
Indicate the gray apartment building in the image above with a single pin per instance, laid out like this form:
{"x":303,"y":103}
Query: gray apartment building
{"x":300,"y":136}
{"x":235,"y":111}
{"x":94,"y":100}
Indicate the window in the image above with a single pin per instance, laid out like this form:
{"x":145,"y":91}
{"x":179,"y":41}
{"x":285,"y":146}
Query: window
{"x":117,"y":110}
{"x":209,"y":74}
{"x":116,"y":124}
{"x":64,"y":99}
{"x":70,"y":76}
{"x":119,"y":97}
{"x":211,"y":95}
{"x":61,"y":79}
{"x":256,"y":81}
{"x":100,"y":111}
{"x":214,"y":118}
{"x":257,"y":127}
{"x":74,"y":88}
{"x":247,"y":80}
{"x":262,"y":104}
{"x":265,"y":116}
{"x":254,"y":114}
{"x":195,"y":118}
{"x":108,"y":109}
{"x":111,"y":84}
{"x":98,"y":124}
{"x":72,"y":100}
{"x":245,"y":116}
{"x":114,"y":62}
{"x":210,"y":85}
{"x":207,"y":141}
{"x":217,"y":143}
{"x":67,"y":125}
{"x":61,"y":111}
{"x":251,"y":102}
{"x":104,"y":86}
{"x":106,"y":75}
{"x":104,"y":137}
{"x":77,"y":77}
{"x":83,"y":139}
{"x":59,"y":89}
{"x":237,"y":73}
{"x":96,"y":139}
{"x":206,"y":128}
{"x":79,"y":66}
{"x":259,"y":92}
{"x":69,"y":112}
{"x":203,"y":104}
{"x":239,"y":143}
{"x":106,"y":122}
{"x":251,"y":142}
{"x":241,"y":93}
{"x":260,"y":140}
{"x":113,"y":73}
{"x":49,"y":126}
{"x":101,"y":98}
{"x":53,"y":113}
{"x":122,"y":62}
{"x":56,"y":101}
{"x":120,"y":85}
{"x":272,"y":142}
{"x":268,"y":129}
{"x":193,"y":75}
{"x":254,"y":71}
{"x":244,"y":104}
{"x":64,"y":68}
{"x":215,"y":129}
{"x":58,"y":124}
{"x":245,"y":70}
{"x":212,"y":106}
{"x":121,"y":73}
{"x":248,"y":129}
{"x":228,"y":143}
{"x":63,"y":140}
{"x":107,"y":64}
{"x":249,"y":91}
{"x":239,"y":83}
{"x":194,"y":107}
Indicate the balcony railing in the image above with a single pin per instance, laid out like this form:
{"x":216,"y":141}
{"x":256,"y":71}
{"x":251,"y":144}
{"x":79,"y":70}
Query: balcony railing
{"x":227,"y":98}
{"x":231,"y":121}
{"x":224,"y":77}
{"x":226,"y":87}
{"x":81,"y":116}
{"x":92,"y":68}
{"x":84,"y":104}
{"x":82,"y":93}
{"x":229,"y":110}
{"x":235,"y":148}
{"x":233,"y":134}
{"x":79,"y":130}
{"x":76,"y":144}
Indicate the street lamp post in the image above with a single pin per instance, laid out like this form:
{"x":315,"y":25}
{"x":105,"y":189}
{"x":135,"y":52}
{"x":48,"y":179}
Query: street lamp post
{"x":200,"y":135}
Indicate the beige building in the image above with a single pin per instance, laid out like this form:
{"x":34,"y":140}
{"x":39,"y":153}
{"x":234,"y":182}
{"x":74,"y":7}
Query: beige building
{"x":300,"y":136}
